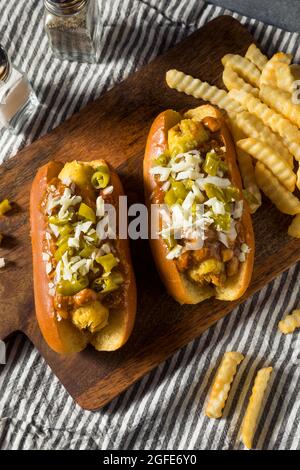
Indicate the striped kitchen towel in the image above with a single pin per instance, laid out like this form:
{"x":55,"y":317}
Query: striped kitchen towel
{"x":164,"y":410}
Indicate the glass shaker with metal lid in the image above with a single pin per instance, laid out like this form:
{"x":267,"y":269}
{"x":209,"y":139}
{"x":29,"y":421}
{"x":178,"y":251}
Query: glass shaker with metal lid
{"x":17,"y":100}
{"x":73,"y":28}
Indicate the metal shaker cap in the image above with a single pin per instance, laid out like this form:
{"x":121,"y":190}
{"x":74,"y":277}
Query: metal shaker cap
{"x":4,"y":64}
{"x":64,"y":7}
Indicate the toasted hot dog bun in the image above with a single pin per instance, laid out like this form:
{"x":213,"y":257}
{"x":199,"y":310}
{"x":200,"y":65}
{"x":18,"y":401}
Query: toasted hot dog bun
{"x":177,"y":284}
{"x":62,"y":336}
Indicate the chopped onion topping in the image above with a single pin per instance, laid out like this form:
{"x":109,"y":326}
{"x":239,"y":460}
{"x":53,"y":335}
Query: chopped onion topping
{"x":242,"y":257}
{"x":197,"y":192}
{"x":232,"y":233}
{"x":189,"y":174}
{"x":67,"y":181}
{"x":73,"y":243}
{"x":67,"y":201}
{"x":188,"y":202}
{"x":216,"y":180}
{"x":175,"y":252}
{"x":196,"y":244}
{"x":108,"y":190}
{"x":162,"y":171}
{"x":45,"y":256}
{"x":238,"y":209}
{"x":51,"y":204}
{"x":166,"y":186}
{"x":223,"y":239}
{"x":100,"y":211}
{"x":245,"y":248}
{"x":105,"y":248}
{"x":49,"y":268}
{"x":54,"y":230}
{"x":82,"y":227}
{"x":217,"y":206}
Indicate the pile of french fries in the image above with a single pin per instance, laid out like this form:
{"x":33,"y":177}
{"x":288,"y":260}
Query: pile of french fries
{"x":264,"y":118}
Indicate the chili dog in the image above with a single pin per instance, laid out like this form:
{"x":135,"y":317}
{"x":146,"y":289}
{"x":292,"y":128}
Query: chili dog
{"x":84,"y":286}
{"x":190,"y":166}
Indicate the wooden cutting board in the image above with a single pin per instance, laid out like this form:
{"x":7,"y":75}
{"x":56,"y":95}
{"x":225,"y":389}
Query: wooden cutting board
{"x":115,"y":127}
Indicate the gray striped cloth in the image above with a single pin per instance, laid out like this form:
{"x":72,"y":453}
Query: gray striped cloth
{"x":165,"y":409}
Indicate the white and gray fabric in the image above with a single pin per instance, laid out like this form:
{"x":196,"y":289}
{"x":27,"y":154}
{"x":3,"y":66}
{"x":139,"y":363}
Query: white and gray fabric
{"x":164,"y":410}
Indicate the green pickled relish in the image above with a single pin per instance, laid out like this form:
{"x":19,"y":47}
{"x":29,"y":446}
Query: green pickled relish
{"x":188,"y":184}
{"x":211,"y":164}
{"x":179,"y":189}
{"x":162,"y":160}
{"x":232,"y":194}
{"x":55,"y":220}
{"x":170,"y":197}
{"x":214,"y":191}
{"x":222,"y":221}
{"x":61,"y":250}
{"x":108,"y":262}
{"x":86,"y":212}
{"x":86,"y":251}
{"x":72,"y":287}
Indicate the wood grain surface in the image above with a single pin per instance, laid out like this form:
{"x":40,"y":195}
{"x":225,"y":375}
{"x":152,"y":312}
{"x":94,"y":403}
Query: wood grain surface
{"x":115,"y":127}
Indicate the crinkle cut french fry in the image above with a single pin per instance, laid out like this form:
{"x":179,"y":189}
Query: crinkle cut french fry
{"x":246,"y":166}
{"x":293,"y":147}
{"x":294,"y":228}
{"x":195,"y":87}
{"x":272,"y":119}
{"x":271,"y":159}
{"x":290,"y":322}
{"x":254,"y":407}
{"x":255,"y":128}
{"x":282,"y":57}
{"x":232,"y":80}
{"x":298,"y":177}
{"x":286,"y":75}
{"x":283,"y":199}
{"x":222,"y":383}
{"x":281,"y":101}
{"x":270,"y":70}
{"x":255,"y":55}
{"x":243,"y":67}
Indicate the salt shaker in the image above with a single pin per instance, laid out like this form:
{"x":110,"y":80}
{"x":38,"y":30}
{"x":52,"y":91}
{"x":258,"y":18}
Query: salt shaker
{"x":17,"y":99}
{"x":73,"y":28}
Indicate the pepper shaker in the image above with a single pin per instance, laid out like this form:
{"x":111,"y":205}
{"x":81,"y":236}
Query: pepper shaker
{"x":73,"y":28}
{"x":17,"y":99}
